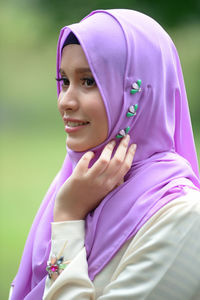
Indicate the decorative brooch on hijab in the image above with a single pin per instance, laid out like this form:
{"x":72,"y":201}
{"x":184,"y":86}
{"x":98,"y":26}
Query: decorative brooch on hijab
{"x":136,"y":87}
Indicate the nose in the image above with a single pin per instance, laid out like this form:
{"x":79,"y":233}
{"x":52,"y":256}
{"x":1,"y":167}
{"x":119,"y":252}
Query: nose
{"x":68,"y":100}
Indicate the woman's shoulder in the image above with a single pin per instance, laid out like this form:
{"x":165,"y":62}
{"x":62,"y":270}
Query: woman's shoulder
{"x":184,"y":205}
{"x":165,"y":251}
{"x":181,"y":216}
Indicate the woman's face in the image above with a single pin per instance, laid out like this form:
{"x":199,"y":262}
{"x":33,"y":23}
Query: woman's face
{"x":80,"y":103}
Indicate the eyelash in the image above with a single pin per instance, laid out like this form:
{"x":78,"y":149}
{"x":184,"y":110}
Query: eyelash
{"x":90,"y":81}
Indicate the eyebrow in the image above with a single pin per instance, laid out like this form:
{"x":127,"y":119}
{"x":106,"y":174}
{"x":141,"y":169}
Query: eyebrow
{"x":78,"y":70}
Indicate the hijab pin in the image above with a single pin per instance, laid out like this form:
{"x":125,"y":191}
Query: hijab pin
{"x":136,"y":86}
{"x":122,"y":133}
{"x":132,"y":110}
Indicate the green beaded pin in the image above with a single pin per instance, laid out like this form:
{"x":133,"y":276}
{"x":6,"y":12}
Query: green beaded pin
{"x":136,"y":86}
{"x":132,"y":110}
{"x":122,"y":133}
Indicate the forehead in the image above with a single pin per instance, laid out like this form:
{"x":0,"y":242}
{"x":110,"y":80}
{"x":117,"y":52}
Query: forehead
{"x":73,"y":56}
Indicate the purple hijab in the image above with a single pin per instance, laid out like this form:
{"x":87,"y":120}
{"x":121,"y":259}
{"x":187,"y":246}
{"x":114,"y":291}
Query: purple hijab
{"x":122,"y":47}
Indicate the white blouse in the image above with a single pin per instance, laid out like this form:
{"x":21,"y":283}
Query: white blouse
{"x":161,"y":262}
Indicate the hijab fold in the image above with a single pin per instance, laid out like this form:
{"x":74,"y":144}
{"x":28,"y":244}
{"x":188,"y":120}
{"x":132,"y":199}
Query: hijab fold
{"x":122,"y":47}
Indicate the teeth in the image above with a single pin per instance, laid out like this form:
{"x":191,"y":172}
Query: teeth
{"x":75,"y":124}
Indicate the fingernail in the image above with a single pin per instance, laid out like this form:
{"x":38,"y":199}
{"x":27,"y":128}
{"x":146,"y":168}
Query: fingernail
{"x":127,"y":137}
{"x":113,"y":143}
{"x":133,"y":147}
{"x":90,"y":153}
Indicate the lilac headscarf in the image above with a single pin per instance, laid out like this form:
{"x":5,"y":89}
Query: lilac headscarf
{"x":123,"y":46}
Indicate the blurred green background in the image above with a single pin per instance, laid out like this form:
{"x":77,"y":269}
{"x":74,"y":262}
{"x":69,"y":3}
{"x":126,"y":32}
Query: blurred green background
{"x":32,"y":136}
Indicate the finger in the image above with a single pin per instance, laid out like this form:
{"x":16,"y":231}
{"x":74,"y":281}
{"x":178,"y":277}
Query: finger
{"x":117,"y":173}
{"x":102,"y":163}
{"x":128,"y":161}
{"x":120,"y":153}
{"x":84,"y":162}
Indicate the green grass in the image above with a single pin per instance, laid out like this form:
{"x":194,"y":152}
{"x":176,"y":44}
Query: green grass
{"x":32,"y":138}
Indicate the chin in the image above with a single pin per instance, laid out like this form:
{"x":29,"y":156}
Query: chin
{"x":82,"y":146}
{"x":77,"y":147}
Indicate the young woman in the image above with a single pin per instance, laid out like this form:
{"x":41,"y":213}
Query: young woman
{"x":118,"y":223}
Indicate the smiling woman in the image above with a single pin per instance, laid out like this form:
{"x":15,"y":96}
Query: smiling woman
{"x":80,"y":103}
{"x":118,"y":223}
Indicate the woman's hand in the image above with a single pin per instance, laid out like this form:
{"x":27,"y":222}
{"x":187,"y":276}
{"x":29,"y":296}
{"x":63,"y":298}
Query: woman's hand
{"x":86,"y":187}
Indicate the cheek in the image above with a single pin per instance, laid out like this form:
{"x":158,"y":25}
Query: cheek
{"x":98,"y":111}
{"x":100,"y":118}
{"x":97,"y":105}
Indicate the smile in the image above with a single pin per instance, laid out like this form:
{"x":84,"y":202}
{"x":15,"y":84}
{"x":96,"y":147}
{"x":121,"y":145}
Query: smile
{"x":76,"y":124}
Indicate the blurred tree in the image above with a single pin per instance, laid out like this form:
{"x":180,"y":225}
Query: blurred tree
{"x":168,"y":13}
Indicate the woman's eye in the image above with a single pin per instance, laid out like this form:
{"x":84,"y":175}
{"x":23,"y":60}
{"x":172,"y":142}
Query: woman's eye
{"x":88,"y":82}
{"x":64,"y":80}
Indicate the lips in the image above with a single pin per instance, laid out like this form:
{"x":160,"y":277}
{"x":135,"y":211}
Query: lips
{"x":73,"y":125}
